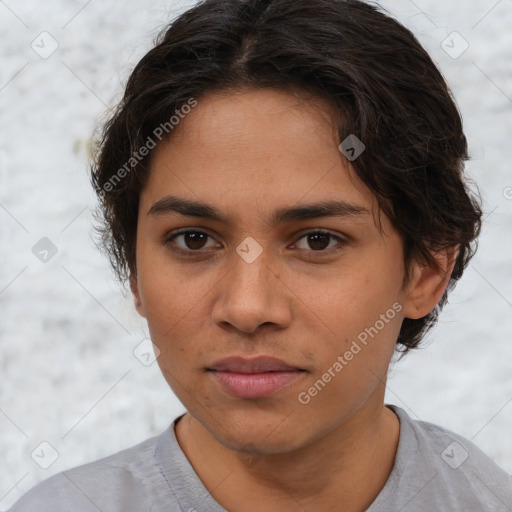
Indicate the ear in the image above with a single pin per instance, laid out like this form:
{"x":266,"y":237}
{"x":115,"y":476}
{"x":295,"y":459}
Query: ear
{"x":427,"y":283}
{"x":134,"y":287}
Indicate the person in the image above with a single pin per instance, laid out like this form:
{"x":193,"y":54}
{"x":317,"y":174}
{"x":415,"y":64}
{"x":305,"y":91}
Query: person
{"x":283,"y":187}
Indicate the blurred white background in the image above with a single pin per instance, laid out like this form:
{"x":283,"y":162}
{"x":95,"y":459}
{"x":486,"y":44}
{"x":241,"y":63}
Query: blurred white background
{"x":67,"y":333}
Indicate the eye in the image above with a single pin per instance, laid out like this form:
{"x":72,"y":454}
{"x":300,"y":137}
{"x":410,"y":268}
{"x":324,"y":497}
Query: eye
{"x":320,"y":242}
{"x":190,"y":241}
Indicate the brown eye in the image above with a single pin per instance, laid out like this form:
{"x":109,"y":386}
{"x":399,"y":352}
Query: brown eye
{"x":320,"y":244}
{"x":190,"y":241}
{"x":195,"y":239}
{"x":318,"y":241}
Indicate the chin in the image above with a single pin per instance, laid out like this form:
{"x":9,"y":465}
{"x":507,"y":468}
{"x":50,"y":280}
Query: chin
{"x":257,"y":444}
{"x":255,"y":431}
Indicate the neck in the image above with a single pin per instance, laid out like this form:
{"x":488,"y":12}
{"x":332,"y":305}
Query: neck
{"x":349,"y":465}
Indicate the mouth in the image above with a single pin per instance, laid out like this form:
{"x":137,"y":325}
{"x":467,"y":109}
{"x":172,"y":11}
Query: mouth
{"x":259,"y":377}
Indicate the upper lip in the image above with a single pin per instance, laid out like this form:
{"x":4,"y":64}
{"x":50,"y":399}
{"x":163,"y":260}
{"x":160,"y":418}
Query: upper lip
{"x":259,"y":364}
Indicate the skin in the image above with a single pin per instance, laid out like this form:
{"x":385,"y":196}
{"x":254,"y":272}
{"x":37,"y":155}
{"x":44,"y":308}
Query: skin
{"x":247,"y":153}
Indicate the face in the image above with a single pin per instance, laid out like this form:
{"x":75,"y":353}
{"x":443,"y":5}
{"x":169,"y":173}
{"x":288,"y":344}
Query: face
{"x":275,"y":317}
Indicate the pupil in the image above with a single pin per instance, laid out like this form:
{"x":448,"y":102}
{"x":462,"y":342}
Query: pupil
{"x":318,"y":241}
{"x":194,"y":240}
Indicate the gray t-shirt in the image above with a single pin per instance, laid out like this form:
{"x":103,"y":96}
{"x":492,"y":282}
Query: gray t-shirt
{"x":434,"y":470}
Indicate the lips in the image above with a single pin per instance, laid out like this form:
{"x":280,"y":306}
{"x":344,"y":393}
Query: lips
{"x":260,"y":377}
{"x":260,"y":364}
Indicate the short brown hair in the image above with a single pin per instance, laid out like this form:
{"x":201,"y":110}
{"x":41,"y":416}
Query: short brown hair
{"x":348,"y":52}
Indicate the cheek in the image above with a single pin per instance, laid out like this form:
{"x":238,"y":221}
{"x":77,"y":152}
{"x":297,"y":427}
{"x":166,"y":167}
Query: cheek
{"x":176,"y":301}
{"x":172,"y":307}
{"x":167,"y":289}
{"x":350,"y":370}
{"x":352,"y":299}
{"x":355,"y":322}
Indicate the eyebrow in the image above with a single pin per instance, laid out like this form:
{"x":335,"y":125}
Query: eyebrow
{"x":186,"y":207}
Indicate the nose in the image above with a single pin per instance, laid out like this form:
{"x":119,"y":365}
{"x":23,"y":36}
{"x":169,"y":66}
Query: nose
{"x":252,"y":295}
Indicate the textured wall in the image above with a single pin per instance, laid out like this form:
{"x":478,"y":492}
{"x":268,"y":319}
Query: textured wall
{"x":67,"y":334}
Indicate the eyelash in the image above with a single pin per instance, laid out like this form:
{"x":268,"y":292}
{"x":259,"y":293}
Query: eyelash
{"x":315,"y":254}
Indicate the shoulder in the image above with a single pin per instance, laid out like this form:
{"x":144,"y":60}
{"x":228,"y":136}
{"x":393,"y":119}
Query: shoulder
{"x":452,"y":469}
{"x":118,"y":482}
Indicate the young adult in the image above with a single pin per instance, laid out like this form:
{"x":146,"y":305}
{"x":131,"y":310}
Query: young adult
{"x":282,"y":185}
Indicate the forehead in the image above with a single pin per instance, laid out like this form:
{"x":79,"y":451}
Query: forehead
{"x":216,"y":107}
{"x":251,"y":149}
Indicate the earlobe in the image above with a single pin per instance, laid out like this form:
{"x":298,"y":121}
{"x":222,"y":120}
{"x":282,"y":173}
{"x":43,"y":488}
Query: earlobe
{"x":134,"y":287}
{"x":428,"y":284}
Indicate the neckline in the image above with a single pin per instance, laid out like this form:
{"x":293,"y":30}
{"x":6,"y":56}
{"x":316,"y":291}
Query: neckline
{"x":184,"y":481}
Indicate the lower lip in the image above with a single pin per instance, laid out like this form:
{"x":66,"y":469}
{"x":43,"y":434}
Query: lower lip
{"x":254,"y":385}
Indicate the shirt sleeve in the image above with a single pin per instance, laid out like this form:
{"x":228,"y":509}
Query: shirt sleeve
{"x":85,"y":489}
{"x":57,"y":494}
